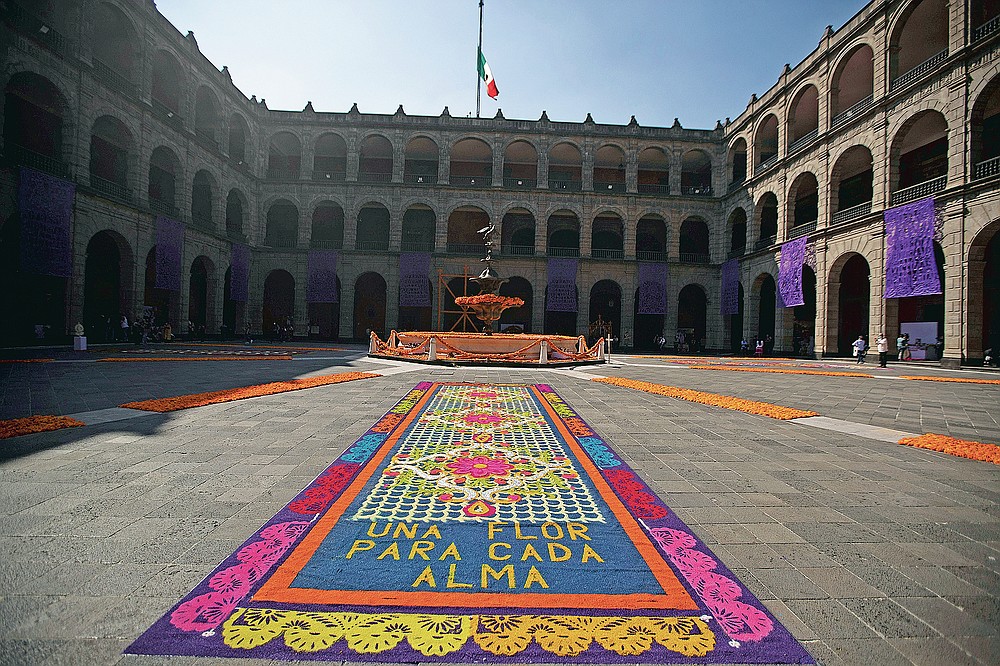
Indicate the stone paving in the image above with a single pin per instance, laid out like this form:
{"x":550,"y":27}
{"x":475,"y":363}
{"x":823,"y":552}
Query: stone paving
{"x":869,"y":552}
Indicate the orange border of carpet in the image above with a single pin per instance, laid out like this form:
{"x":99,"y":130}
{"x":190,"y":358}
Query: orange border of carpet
{"x":713,"y":399}
{"x":26,"y":360}
{"x":781,"y":371}
{"x":957,"y":380}
{"x":228,"y":395}
{"x":257,"y":346}
{"x":138,"y":359}
{"x":955,"y":447}
{"x":32,"y":424}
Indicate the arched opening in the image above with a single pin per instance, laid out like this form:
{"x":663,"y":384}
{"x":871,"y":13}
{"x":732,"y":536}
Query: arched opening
{"x":804,"y":328}
{"x":110,"y":142}
{"x":651,"y":239}
{"x":463,"y":230}
{"x":692,"y":311}
{"x":330,"y":158}
{"x":737,"y":224}
{"x":232,"y":311}
{"x":159,"y":300}
{"x":565,"y":167}
{"x":606,"y":305}
{"x":561,"y":323}
{"x":696,"y":173}
{"x":646,"y":328}
{"x":767,"y":220}
{"x":851,"y":90}
{"x":919,"y":158}
{"x":420,"y":161}
{"x":803,"y":203}
{"x":609,"y":169}
{"x":105,"y":272}
{"x":282,"y":230}
{"x":517,"y":233}
{"x":471,"y":163}
{"x":239,"y":133}
{"x":206,"y":117}
{"x":114,"y":48}
{"x":765,"y":143}
{"x":606,"y":241}
{"x":563,"y":235}
{"x":324,"y":319}
{"x":517,"y":320}
{"x":520,"y":165}
{"x":33,"y":305}
{"x":654,"y":172}
{"x":167,"y":86}
{"x":33,"y":123}
{"x":736,"y":333}
{"x":373,"y":228}
{"x":984,"y":18}
{"x":984,"y":293}
{"x":369,"y":306}
{"x":200,"y":294}
{"x":694,"y":241}
{"x":926,"y":309}
{"x":919,"y":42}
{"x":164,"y":173}
{"x":419,"y":228}
{"x":235,"y":208}
{"x":375,"y":160}
{"x":416,"y":318}
{"x":986,"y":131}
{"x":284,"y":157}
{"x":737,"y":162}
{"x":279,"y":303}
{"x":803,"y":118}
{"x":201,"y":200}
{"x":327,"y":226}
{"x":767,"y":300}
{"x":853,"y":289}
{"x":851,"y":185}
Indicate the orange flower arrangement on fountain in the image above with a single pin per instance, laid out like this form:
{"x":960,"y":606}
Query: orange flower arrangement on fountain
{"x":490,"y":299}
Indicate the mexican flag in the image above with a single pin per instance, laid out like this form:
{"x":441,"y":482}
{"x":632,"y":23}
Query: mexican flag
{"x":487,"y":76}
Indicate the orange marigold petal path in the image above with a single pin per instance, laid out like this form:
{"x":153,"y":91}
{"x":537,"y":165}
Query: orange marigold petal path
{"x":228,"y":395}
{"x":139,"y":359}
{"x":32,"y":424}
{"x":955,"y":447}
{"x":26,"y":360}
{"x":782,"y":371}
{"x":714,"y":399}
{"x":959,"y":380}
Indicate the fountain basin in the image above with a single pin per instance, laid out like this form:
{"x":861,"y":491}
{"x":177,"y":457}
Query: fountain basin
{"x":456,"y":348}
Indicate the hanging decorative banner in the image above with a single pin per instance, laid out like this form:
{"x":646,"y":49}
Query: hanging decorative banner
{"x":729,"y":298}
{"x":321,"y":286}
{"x":239,"y":273}
{"x":169,"y":246}
{"x":793,"y":256}
{"x":414,"y":284}
{"x":910,"y":267}
{"x":653,"y":288}
{"x":45,"y":205}
{"x":560,"y":295}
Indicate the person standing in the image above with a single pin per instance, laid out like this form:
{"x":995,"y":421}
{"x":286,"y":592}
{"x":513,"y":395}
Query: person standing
{"x":882,"y":344}
{"x":900,"y":347}
{"x":859,"y":349}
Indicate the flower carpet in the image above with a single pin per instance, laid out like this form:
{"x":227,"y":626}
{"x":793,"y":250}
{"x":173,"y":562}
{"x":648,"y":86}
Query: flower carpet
{"x":475,"y":523}
{"x":31,"y":424}
{"x":955,"y":447}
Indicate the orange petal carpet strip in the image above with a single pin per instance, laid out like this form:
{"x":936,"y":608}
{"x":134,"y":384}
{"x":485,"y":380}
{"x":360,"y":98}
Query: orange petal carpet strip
{"x":782,"y":371}
{"x":33,"y":424}
{"x":149,"y":359}
{"x":713,"y":399}
{"x":26,"y":360}
{"x":955,"y":447}
{"x":228,"y":395}
{"x":257,"y":346}
{"x":958,"y":380}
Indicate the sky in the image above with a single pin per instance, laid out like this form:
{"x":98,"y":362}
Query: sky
{"x":695,"y":60}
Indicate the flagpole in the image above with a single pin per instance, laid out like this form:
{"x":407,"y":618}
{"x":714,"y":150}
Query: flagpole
{"x":479,"y":55}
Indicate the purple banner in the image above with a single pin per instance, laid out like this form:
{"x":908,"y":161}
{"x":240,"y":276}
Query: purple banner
{"x":729,"y":293}
{"x":239,"y":273}
{"x":793,"y":256}
{"x":560,"y":295}
{"x":321,"y":284}
{"x":910,"y":267}
{"x":45,"y":204}
{"x":414,"y":285}
{"x":169,"y":247}
{"x":652,"y":288}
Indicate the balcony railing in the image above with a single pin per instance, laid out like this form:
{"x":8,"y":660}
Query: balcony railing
{"x":417,"y":246}
{"x":110,"y":189}
{"x":519,"y":250}
{"x":735,"y":185}
{"x":764,"y":243}
{"x":35,"y":27}
{"x":653,"y":188}
{"x":372,"y":177}
{"x":603,"y":253}
{"x":519,"y":183}
{"x":163,"y":208}
{"x":854,"y":110}
{"x":166,"y":114}
{"x":24,"y":157}
{"x":206,"y":138}
{"x":567,"y":185}
{"x":604,"y":186}
{"x":564,"y":252}
{"x":697,"y":190}
{"x":693,"y":258}
{"x":986,"y":168}
{"x":802,"y":229}
{"x":113,"y":79}
{"x":919,"y":70}
{"x":650,"y":255}
{"x":420,"y":178}
{"x":803,"y":141}
{"x":852,"y":213}
{"x":282,"y":173}
{"x":736,"y":252}
{"x":471,"y":181}
{"x":466,"y":248}
{"x":372,"y":245}
{"x":985,"y":29}
{"x":767,"y":163}
{"x":326,"y":244}
{"x":332,"y":176}
{"x":281,"y":243}
{"x":202,"y":220}
{"x":919,"y":190}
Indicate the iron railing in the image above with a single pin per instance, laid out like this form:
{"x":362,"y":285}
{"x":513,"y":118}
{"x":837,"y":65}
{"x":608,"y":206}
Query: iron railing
{"x":372,"y":245}
{"x":606,"y":253}
{"x":803,"y":141}
{"x":326,"y":244}
{"x":604,"y":186}
{"x":202,"y":220}
{"x":281,"y":242}
{"x":374,"y":177}
{"x":985,"y":29}
{"x":163,"y":208}
{"x":855,"y":109}
{"x":332,"y":176}
{"x":518,"y":250}
{"x":801,"y":229}
{"x":919,"y":70}
{"x":919,"y":190}
{"x":650,"y":255}
{"x":465,"y":248}
{"x":764,"y":243}
{"x":852,"y":213}
{"x":990,"y":167}
{"x":35,"y":27}
{"x":22,"y":156}
{"x":736,"y":252}
{"x":563,"y":252}
{"x":484,"y":180}
{"x":566,"y":185}
{"x":767,"y":163}
{"x":420,"y":178}
{"x":697,"y":190}
{"x":166,"y":114}
{"x":693,"y":257}
{"x":283,"y":173}
{"x":519,"y":183}
{"x":113,"y":79}
{"x":653,"y":188}
{"x":416,"y":246}
{"x":110,"y":189}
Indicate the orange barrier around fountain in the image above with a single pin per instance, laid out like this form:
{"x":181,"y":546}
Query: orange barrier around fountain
{"x":477,"y":349}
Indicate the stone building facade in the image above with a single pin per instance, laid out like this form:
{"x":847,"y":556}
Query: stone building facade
{"x":901,"y":103}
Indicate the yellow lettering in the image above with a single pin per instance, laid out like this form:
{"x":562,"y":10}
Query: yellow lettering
{"x":371,"y":530}
{"x":518,"y":535}
{"x":565,"y":554}
{"x":359,"y":546}
{"x":451,"y":578}
{"x":451,"y":550}
{"x":493,"y":550}
{"x":490,"y":572}
{"x":494,"y":528}
{"x":434,"y":532}
{"x":589,"y":553}
{"x":391,"y":550}
{"x":409,"y":530}
{"x":529,"y":551}
{"x":420,"y":548}
{"x":426,"y":576}
{"x":577,"y":530}
{"x":546,"y":527}
{"x":534,"y":576}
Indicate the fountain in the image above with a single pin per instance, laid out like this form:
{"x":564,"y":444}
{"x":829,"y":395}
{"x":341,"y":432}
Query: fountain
{"x":485,"y":348}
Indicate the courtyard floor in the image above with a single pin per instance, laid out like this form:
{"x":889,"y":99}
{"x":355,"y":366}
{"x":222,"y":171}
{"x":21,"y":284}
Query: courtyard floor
{"x":867,"y":551}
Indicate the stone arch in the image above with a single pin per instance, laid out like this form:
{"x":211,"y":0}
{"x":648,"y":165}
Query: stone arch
{"x":848,"y":299}
{"x":983,"y":305}
{"x":852,"y":82}
{"x":369,"y":305}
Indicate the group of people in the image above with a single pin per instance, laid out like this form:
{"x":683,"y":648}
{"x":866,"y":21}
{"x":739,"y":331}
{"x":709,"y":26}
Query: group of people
{"x":763,"y":347}
{"x":860,"y":348}
{"x":684,"y":343}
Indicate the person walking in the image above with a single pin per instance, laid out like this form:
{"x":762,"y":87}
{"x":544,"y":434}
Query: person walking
{"x":882,"y":345}
{"x":860,"y":346}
